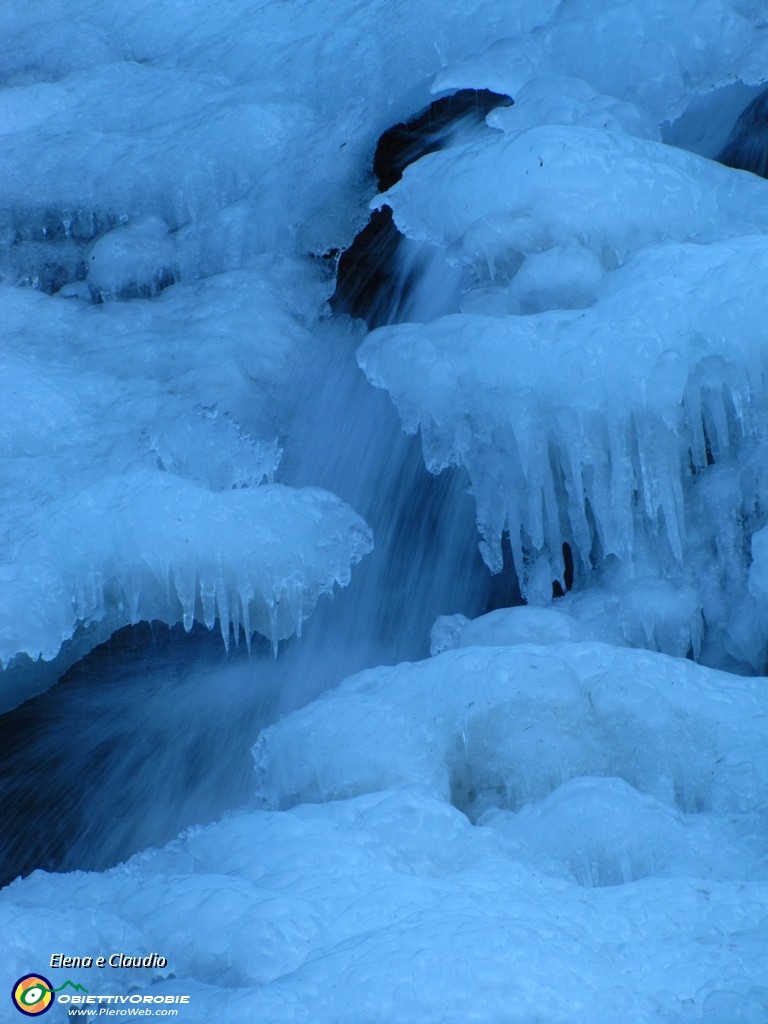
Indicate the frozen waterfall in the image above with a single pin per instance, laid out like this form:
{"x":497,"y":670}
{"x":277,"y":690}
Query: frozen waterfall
{"x":384,"y":576}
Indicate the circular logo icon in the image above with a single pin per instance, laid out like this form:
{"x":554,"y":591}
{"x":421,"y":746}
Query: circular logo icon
{"x":33,"y":995}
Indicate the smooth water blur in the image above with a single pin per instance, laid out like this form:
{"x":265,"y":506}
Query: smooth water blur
{"x":425,"y":560}
{"x":147,"y":734}
{"x":151,"y":732}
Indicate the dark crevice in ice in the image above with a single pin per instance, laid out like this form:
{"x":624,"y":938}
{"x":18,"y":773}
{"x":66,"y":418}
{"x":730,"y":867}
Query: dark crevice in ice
{"x":431,"y":130}
{"x":370,"y":282}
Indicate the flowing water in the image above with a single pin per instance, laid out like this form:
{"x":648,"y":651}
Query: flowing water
{"x":151,"y":732}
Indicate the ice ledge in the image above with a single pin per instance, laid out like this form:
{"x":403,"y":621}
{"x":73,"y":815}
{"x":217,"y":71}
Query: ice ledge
{"x":156,"y":546}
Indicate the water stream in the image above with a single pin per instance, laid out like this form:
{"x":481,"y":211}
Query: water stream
{"x":151,"y":732}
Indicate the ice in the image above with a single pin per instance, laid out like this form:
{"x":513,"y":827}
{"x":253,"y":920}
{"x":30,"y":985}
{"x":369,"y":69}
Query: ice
{"x":580,"y":829}
{"x":657,"y":614}
{"x":195,"y":173}
{"x":134,"y":261}
{"x":626,"y":429}
{"x":660,"y":57}
{"x":651,"y":613}
{"x":521,"y":193}
{"x":591,"y":385}
{"x":620,"y":834}
{"x":195,"y":162}
{"x":239,"y":134}
{"x":138,"y":455}
{"x":555,"y":99}
{"x":548,"y":820}
{"x":641,"y":54}
{"x":506,"y":627}
{"x":563,"y":277}
{"x":506,"y":726}
{"x":151,"y":546}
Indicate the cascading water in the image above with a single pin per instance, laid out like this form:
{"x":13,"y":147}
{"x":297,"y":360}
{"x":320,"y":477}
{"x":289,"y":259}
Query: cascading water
{"x":160,"y":725}
{"x":565,"y":308}
{"x":141,"y":723}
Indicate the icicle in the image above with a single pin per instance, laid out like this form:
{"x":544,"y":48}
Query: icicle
{"x":208,"y":598}
{"x":235,"y":614}
{"x":570,"y":441}
{"x":245,"y":604}
{"x":716,"y":408}
{"x":536,"y":470}
{"x":515,"y":528}
{"x":696,"y":438}
{"x":222,"y":599}
{"x":272,"y":604}
{"x":551,"y":510}
{"x":298,"y":614}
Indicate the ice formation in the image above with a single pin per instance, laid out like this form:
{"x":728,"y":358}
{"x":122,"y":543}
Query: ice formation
{"x":603,"y":380}
{"x":619,"y":847}
{"x":539,"y":822}
{"x":185,"y":167}
{"x":138,"y":458}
